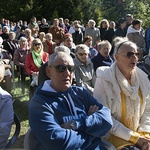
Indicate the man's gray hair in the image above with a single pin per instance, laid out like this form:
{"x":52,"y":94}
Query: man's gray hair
{"x":59,"y":54}
{"x":62,"y":49}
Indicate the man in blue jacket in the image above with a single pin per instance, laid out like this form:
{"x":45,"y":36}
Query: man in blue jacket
{"x":66,"y":117}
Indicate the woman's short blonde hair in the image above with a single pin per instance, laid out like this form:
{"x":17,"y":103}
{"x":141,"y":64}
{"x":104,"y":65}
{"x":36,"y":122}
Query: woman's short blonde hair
{"x":48,"y":35}
{"x":102,"y":43}
{"x":23,"y":39}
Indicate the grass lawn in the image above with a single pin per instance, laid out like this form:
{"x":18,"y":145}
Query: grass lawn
{"x":21,"y":102}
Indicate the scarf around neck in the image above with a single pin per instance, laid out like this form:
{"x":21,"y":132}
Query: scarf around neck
{"x":132,"y":97}
{"x":34,"y":23}
{"x":37,"y":58}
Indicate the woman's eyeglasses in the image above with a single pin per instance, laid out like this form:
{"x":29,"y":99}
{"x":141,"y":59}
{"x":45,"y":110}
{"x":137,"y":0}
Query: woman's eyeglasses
{"x":130,"y":54}
{"x":62,"y":68}
{"x":37,"y":44}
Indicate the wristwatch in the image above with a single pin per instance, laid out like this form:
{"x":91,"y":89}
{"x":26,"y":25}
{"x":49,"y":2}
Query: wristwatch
{"x":73,"y":124}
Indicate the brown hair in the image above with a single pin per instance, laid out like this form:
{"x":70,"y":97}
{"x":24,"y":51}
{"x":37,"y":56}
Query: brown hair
{"x":87,"y":38}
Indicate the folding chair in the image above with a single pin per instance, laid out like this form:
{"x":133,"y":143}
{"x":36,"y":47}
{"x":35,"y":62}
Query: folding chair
{"x":28,"y":140}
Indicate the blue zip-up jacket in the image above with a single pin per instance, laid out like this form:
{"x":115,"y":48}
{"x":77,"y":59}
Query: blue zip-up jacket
{"x":48,"y":110}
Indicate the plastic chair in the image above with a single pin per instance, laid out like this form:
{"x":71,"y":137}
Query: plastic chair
{"x":13,"y":139}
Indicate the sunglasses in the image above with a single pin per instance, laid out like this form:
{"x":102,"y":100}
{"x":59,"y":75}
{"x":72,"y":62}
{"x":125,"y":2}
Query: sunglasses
{"x":82,"y":54}
{"x":62,"y":68}
{"x":131,"y":54}
{"x":37,"y":44}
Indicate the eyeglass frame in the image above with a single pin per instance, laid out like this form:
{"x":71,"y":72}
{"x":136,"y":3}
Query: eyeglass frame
{"x":130,"y":54}
{"x":70,"y":68}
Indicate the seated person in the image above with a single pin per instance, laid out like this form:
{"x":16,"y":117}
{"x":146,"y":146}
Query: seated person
{"x":84,"y":71}
{"x":48,"y":44}
{"x":5,"y":58}
{"x":62,"y":116}
{"x":42,"y":72}
{"x":125,"y":89}
{"x":34,"y":60}
{"x":102,"y":58}
{"x":68,"y":42}
{"x":6,"y":112}
{"x":20,"y":56}
{"x":88,"y":42}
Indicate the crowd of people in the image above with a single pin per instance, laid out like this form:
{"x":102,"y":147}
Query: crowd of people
{"x":84,"y":81}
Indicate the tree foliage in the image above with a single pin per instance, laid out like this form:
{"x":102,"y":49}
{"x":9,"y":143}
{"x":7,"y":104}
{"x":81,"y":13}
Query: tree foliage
{"x":81,"y":10}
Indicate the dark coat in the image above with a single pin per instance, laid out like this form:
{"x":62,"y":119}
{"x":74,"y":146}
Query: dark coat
{"x":99,"y":60}
{"x":77,"y":37}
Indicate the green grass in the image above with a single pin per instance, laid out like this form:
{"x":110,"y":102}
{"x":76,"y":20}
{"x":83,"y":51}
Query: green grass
{"x":21,"y":102}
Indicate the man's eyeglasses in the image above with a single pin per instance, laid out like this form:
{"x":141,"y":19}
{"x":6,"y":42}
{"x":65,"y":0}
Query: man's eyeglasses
{"x":62,"y":68}
{"x":82,"y":54}
{"x":130,"y":54}
{"x":37,"y":44}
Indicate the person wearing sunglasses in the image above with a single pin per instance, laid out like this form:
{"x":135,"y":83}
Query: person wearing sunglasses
{"x":62,"y":116}
{"x":42,"y":72}
{"x":84,"y":70}
{"x":34,"y":60}
{"x":125,"y":89}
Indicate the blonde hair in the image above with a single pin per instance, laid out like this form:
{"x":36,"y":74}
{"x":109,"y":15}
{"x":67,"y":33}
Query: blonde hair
{"x":104,"y":21}
{"x":42,"y":33}
{"x":102,"y":43}
{"x":48,"y":34}
{"x":35,"y":41}
{"x":23,"y":39}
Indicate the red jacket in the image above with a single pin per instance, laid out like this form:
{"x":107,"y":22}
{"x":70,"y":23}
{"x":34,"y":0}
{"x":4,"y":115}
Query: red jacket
{"x":29,"y":63}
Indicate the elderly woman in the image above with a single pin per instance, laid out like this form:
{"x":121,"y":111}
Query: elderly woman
{"x":84,"y":71}
{"x":11,"y":44}
{"x":6,"y":112}
{"x":104,"y":25}
{"x":125,"y":89}
{"x":20,"y":56}
{"x":29,"y":37}
{"x":102,"y":58}
{"x":34,"y":60}
{"x":49,"y":45}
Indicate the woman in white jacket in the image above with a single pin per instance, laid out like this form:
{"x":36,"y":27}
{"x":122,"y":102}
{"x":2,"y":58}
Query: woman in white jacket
{"x":125,"y":89}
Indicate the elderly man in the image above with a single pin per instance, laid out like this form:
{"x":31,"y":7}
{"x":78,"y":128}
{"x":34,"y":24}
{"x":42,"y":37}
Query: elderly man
{"x":92,"y":31}
{"x":62,"y":116}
